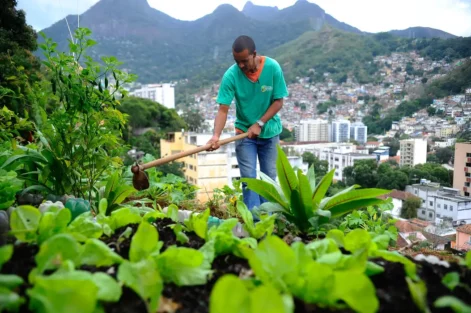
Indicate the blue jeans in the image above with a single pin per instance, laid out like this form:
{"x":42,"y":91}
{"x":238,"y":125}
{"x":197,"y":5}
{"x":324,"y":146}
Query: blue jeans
{"x":247,"y":151}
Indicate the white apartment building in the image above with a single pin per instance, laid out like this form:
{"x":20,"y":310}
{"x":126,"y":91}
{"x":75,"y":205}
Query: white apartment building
{"x":413,"y":152}
{"x":312,"y":130}
{"x":161,"y":93}
{"x":440,"y":203}
{"x":359,"y":132}
{"x":340,"y":131}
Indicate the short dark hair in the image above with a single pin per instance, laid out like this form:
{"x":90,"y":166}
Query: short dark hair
{"x":242,"y":43}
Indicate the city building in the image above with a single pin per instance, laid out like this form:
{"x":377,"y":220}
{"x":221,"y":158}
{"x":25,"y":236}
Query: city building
{"x":340,"y":131}
{"x":161,"y":93}
{"x":441,"y":203}
{"x":359,"y":132}
{"x":382,"y":153}
{"x":413,"y":152}
{"x":210,"y":170}
{"x":462,"y":172}
{"x":312,"y":130}
{"x":339,"y":156}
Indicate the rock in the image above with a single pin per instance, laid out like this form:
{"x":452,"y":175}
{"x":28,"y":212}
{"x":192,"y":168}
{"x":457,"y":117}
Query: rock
{"x":44,"y":207}
{"x":29,"y":199}
{"x":432,"y":259}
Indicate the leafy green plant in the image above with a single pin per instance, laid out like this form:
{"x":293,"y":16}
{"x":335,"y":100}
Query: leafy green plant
{"x":231,"y":295}
{"x":256,"y":230}
{"x":9,"y":186}
{"x":80,"y":138}
{"x":115,"y":192}
{"x":302,"y":201}
{"x":453,"y":303}
{"x":198,"y":223}
{"x":9,"y":299}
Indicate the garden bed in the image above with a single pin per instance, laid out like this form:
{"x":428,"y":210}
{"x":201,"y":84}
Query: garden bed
{"x":391,"y":286}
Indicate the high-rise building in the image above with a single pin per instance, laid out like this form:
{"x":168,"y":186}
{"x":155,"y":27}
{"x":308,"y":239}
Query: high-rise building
{"x":312,"y":130}
{"x":161,"y":93}
{"x":413,"y":152}
{"x":359,"y":132}
{"x":340,"y":131}
{"x":462,"y":172}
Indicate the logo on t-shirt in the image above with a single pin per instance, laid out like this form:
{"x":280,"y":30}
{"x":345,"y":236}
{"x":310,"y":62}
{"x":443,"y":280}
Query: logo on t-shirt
{"x":266,"y":88}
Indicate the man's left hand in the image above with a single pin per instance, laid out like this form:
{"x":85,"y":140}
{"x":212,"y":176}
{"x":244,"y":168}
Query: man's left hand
{"x":254,"y":131}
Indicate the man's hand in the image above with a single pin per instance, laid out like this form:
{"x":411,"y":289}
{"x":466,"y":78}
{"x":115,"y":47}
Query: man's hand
{"x":254,"y":131}
{"x":214,"y":141}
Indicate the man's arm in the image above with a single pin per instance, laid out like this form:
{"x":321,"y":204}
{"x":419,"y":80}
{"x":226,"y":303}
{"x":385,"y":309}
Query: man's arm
{"x":219,"y":124}
{"x":255,"y":130}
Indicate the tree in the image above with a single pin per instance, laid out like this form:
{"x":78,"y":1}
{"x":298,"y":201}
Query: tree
{"x":393,"y":179}
{"x":286,"y":135}
{"x":431,"y":111}
{"x":194,"y":119}
{"x":393,"y":144}
{"x":410,"y":206}
{"x":444,"y":155}
{"x":432,"y":158}
{"x":19,"y":68}
{"x":320,"y":167}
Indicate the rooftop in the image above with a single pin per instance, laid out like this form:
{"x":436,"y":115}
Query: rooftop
{"x":397,"y":194}
{"x":464,"y":229}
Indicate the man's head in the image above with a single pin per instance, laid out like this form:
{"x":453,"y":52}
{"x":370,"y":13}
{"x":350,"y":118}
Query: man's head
{"x":244,"y":53}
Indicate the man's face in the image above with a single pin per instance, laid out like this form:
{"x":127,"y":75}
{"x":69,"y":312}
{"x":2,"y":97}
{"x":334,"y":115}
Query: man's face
{"x":245,"y":61}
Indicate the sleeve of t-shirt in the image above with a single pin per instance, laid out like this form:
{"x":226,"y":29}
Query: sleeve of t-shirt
{"x":226,"y":90}
{"x":279,"y":85}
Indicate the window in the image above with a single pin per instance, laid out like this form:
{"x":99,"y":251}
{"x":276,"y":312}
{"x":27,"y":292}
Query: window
{"x":438,"y":215}
{"x":336,"y":159}
{"x":468,"y":155}
{"x":430,"y":215}
{"x":423,"y":201}
{"x":336,"y":174}
{"x":431,"y":203}
{"x":191,"y":167}
{"x":446,"y":207}
{"x":451,"y":208}
{"x":416,"y":192}
{"x":438,"y":205}
{"x":423,"y":212}
{"x":336,"y":166}
{"x":466,"y":194}
{"x":468,"y":174}
{"x":235,"y":166}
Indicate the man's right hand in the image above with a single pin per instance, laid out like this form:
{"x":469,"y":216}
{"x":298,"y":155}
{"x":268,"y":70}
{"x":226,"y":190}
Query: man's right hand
{"x":214,"y":141}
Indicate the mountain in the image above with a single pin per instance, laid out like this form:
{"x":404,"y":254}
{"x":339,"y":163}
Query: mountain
{"x":422,"y":32}
{"x":158,"y":47}
{"x":259,"y":12}
{"x":301,"y":10}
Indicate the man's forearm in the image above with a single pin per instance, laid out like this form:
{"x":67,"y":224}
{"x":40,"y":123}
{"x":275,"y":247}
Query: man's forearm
{"x":219,"y":123}
{"x":274,"y":108}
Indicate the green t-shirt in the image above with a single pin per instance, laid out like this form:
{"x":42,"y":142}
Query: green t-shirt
{"x":254,"y":98}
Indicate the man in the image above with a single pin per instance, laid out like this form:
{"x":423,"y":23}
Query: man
{"x":258,"y":86}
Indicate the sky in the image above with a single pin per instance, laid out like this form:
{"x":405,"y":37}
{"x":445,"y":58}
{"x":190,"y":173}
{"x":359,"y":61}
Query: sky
{"x":453,"y":16}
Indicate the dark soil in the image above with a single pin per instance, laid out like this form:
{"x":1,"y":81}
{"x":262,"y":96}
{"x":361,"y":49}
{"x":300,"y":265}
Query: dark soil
{"x":166,"y":235}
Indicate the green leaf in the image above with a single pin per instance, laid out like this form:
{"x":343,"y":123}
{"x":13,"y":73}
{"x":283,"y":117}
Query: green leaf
{"x":319,"y":248}
{"x":341,"y":209}
{"x":183,"y":266}
{"x":274,"y":263}
{"x":316,"y":284}
{"x":266,"y":299}
{"x":455,"y":304}
{"x":24,"y":222}
{"x":108,"y":289}
{"x":264,"y":227}
{"x":451,"y":280}
{"x":224,"y":240}
{"x":71,"y":292}
{"x":97,"y":253}
{"x":382,"y":241}
{"x":342,"y":198}
{"x":467,"y":259}
{"x":266,"y":190}
{"x":264,"y":177}
{"x":311,"y":176}
{"x":124,"y":217}
{"x":10,"y":301}
{"x":53,"y":223}
{"x":144,"y":242}
{"x":103,"y":206}
{"x":356,"y":290}
{"x":86,"y":226}
{"x":338,"y":236}
{"x":54,"y":251}
{"x":357,"y":239}
{"x":373,"y":269}
{"x":198,"y":223}
{"x":10,"y":281}
{"x":305,"y":194}
{"x":418,"y":291}
{"x":144,"y":279}
{"x":321,"y":189}
{"x":172,"y":213}
{"x":229,"y":295}
{"x":6,"y":252}
{"x":246,"y":215}
{"x":286,"y":175}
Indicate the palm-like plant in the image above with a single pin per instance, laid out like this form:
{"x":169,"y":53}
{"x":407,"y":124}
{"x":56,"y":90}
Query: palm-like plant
{"x":302,"y":201}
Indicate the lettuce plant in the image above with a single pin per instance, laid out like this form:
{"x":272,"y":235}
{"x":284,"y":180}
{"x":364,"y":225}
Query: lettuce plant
{"x":10,"y":301}
{"x":256,"y":230}
{"x":302,"y":201}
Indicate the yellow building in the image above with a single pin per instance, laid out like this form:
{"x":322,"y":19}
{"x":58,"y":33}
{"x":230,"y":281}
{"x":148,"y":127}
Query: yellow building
{"x":207,"y":170}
